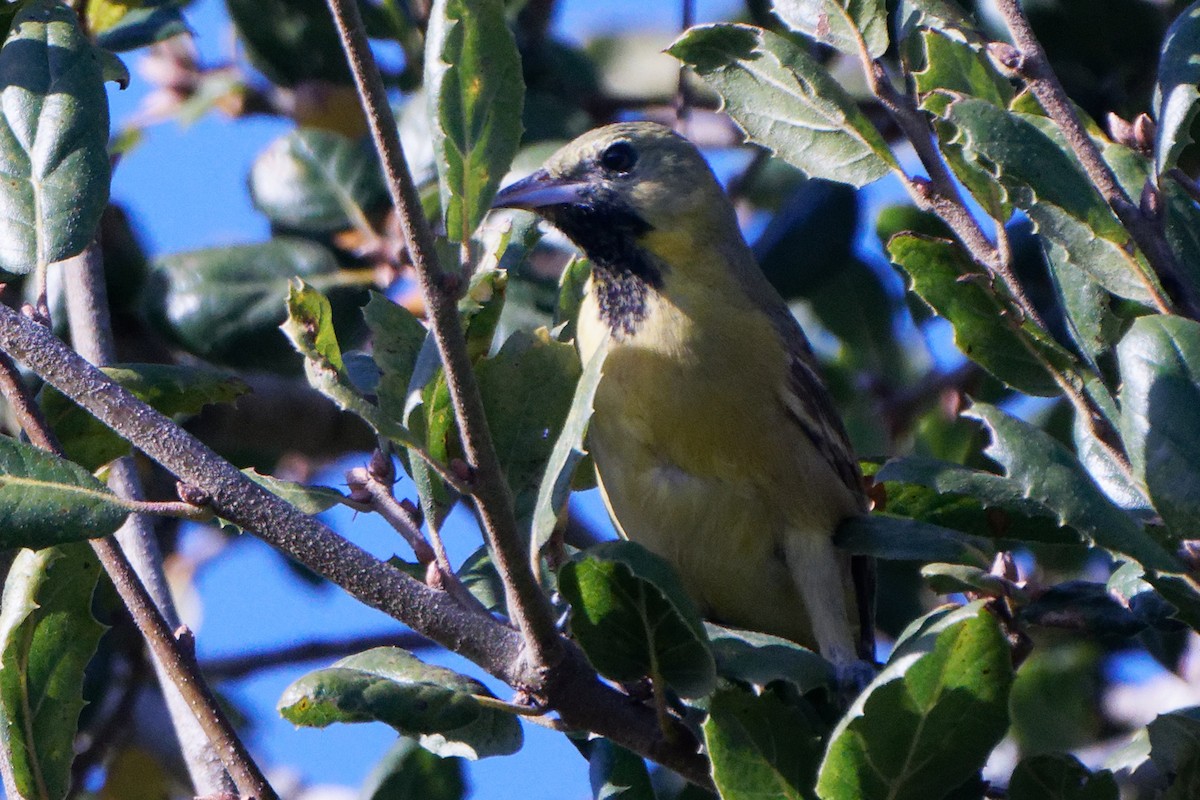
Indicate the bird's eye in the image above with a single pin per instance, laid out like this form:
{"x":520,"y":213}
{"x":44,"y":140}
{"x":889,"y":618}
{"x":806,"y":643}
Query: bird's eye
{"x":618,"y":157}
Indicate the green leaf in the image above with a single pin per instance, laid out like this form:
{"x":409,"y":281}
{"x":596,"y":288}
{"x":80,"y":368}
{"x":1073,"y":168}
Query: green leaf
{"x":761,"y":747}
{"x":475,"y":91}
{"x":479,"y":577}
{"x":309,"y":499}
{"x":787,"y":102}
{"x":1087,"y":307}
{"x":310,"y":328}
{"x":904,"y":539}
{"x":47,"y":638}
{"x":1175,"y":750}
{"x":527,"y":389}
{"x":762,"y":659}
{"x":927,"y":723}
{"x":1176,"y":92}
{"x":130,"y":27}
{"x":955,"y":578}
{"x":434,"y":705}
{"x":1017,"y":356}
{"x":974,"y":501}
{"x":317,"y":181}
{"x":941,"y":15}
{"x":633,"y":619}
{"x":953,"y":66}
{"x":407,"y":772}
{"x":571,"y":286}
{"x":1056,"y":776}
{"x":555,"y":488}
{"x":1041,"y":178}
{"x":1052,"y":476}
{"x":168,"y":388}
{"x":225,"y":304}
{"x":1159,"y":360}
{"x":617,"y":774}
{"x":47,"y":500}
{"x":290,"y":41}
{"x":850,"y":26}
{"x":53,"y":138}
{"x":482,"y":306}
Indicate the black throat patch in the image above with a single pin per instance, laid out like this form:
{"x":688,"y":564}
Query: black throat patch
{"x":624,"y":273}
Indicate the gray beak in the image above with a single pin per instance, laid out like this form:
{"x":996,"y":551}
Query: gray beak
{"x":538,"y":191}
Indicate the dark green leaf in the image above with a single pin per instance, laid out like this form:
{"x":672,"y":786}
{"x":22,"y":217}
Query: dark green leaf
{"x":408,"y":772}
{"x":47,"y":500}
{"x":396,"y":340}
{"x":310,"y":327}
{"x":1160,"y":394}
{"x":290,"y":41}
{"x":1063,"y":674}
{"x":850,"y":26}
{"x":432,"y":704}
{"x":761,"y":659}
{"x":168,"y":388}
{"x":475,"y":91}
{"x":969,"y":500}
{"x":617,"y":774}
{"x":570,"y":296}
{"x":1084,"y":607}
{"x":1056,"y":776}
{"x":226,"y":304}
{"x":927,"y":723}
{"x":786,"y":101}
{"x":1090,"y":321}
{"x":903,"y":539}
{"x":555,"y":488}
{"x":481,"y":308}
{"x":47,"y":638}
{"x":1016,"y":355}
{"x":632,"y":617}
{"x":761,"y":747}
{"x":137,"y":26}
{"x":1176,"y":96}
{"x":1175,"y":750}
{"x":479,"y":577}
{"x":1052,"y":476}
{"x":955,"y":578}
{"x":527,"y":389}
{"x":53,"y":138}
{"x":1043,"y":180}
{"x":942,"y":15}
{"x":317,"y":181}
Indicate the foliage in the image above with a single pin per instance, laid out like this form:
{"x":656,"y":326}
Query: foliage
{"x":1043,"y":478}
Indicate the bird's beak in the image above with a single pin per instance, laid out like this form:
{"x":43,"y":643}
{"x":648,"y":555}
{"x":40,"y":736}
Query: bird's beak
{"x":538,"y":191}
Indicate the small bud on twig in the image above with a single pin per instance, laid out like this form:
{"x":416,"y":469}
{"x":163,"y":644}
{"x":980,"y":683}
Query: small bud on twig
{"x":381,"y":468}
{"x":1150,"y":202}
{"x":356,"y":481}
{"x":1144,"y":133}
{"x":1119,"y":130}
{"x":192,"y":495}
{"x":1008,"y":59}
{"x":462,"y":470}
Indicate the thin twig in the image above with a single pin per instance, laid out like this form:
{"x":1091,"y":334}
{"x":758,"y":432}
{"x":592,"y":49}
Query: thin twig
{"x":1031,"y":63}
{"x":528,"y":607}
{"x":571,"y":688}
{"x":92,"y":336}
{"x":179,"y":664}
{"x":239,"y":666}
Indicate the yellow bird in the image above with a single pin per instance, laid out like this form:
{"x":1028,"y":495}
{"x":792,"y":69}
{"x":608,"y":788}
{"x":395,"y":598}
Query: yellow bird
{"x":716,"y":445}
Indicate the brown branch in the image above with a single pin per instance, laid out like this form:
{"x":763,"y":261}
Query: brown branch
{"x":571,"y":687}
{"x":177,"y":661}
{"x":527,"y":605}
{"x":1031,"y":63}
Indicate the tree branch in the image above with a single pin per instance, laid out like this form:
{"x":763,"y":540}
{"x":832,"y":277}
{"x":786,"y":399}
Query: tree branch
{"x":1031,"y":63}
{"x":239,"y":666}
{"x":527,"y":605}
{"x":571,"y":687}
{"x":179,"y":664}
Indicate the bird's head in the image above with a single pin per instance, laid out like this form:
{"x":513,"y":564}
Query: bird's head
{"x":626,"y":190}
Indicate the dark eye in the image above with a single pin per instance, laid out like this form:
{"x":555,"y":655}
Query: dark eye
{"x":618,"y":157}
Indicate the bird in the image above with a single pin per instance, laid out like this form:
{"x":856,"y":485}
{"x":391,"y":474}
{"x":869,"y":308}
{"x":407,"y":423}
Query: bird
{"x":715,"y":443}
